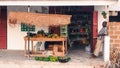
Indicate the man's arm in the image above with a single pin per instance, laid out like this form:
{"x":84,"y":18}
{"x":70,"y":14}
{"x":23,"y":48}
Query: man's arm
{"x":103,"y":32}
{"x":102,"y":35}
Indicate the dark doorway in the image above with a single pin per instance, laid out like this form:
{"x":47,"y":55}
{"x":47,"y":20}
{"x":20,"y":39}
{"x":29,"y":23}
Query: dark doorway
{"x":82,"y":29}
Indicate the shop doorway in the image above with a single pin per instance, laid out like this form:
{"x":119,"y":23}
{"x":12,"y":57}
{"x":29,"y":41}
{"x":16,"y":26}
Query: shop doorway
{"x":82,"y":30}
{"x":3,"y":27}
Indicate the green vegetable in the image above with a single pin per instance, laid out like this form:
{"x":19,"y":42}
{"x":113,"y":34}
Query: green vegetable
{"x":53,"y":59}
{"x":41,"y":58}
{"x":65,"y":58}
{"x":68,"y":58}
{"x":41,"y":32}
{"x":37,"y":58}
{"x":50,"y":56}
{"x":46,"y":59}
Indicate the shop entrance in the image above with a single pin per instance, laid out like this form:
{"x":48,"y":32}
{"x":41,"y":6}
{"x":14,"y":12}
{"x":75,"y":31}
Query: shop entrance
{"x":82,"y":30}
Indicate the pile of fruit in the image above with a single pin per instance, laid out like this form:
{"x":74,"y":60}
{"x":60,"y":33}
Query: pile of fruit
{"x":41,"y":33}
{"x":53,"y":35}
{"x":52,"y":59}
{"x":49,"y":58}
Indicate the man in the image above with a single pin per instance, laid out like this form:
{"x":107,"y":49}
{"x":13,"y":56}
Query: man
{"x":100,"y":40}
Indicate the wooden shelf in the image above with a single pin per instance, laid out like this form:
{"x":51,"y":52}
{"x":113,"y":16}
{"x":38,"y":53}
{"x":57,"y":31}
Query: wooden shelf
{"x":63,"y":31}
{"x":79,"y":28}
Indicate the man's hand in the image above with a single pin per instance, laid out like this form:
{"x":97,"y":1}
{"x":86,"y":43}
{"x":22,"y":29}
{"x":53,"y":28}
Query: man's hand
{"x":101,"y":35}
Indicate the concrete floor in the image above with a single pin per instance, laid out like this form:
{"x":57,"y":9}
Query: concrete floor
{"x":16,"y":59}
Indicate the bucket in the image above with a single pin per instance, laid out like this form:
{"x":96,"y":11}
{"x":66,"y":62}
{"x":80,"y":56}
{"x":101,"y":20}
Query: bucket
{"x":87,"y":48}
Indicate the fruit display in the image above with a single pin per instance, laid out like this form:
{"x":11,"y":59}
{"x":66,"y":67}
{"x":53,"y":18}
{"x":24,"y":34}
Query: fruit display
{"x":49,"y":58}
{"x":41,"y":58}
{"x":46,"y":59}
{"x":36,"y":58}
{"x":53,"y":59}
{"x":41,"y":32}
{"x":50,"y":35}
{"x":53,"y":35}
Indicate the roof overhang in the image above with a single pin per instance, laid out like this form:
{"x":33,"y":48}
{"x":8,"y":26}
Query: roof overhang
{"x":54,"y":3}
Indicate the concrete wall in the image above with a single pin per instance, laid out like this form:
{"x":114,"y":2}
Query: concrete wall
{"x":15,"y":37}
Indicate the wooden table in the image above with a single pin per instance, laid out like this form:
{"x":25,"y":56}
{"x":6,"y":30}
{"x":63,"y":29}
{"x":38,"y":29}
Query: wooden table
{"x":63,"y":40}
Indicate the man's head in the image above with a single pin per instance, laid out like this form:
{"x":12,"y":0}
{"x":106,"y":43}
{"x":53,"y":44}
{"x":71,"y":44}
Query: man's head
{"x":104,"y":24}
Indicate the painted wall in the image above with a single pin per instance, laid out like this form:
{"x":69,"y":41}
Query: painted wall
{"x":100,"y":17}
{"x":112,"y":7}
{"x":15,"y":39}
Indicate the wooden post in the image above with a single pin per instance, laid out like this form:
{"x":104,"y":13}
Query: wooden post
{"x":32,"y":45}
{"x":25,"y":48}
{"x":63,"y":47}
{"x":66,"y":46}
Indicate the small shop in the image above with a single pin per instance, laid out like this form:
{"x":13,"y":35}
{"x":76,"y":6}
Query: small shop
{"x":67,"y":30}
{"x":45,"y":30}
{"x":74,"y":30}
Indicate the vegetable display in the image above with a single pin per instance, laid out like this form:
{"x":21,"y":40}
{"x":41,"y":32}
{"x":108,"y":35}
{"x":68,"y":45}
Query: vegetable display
{"x":53,"y":59}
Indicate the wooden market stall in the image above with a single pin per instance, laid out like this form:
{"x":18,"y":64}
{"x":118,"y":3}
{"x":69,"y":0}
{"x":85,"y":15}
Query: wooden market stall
{"x":38,"y":19}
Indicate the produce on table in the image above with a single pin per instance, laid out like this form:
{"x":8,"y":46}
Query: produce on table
{"x":41,"y":32}
{"x":50,"y":35}
{"x":53,"y":35}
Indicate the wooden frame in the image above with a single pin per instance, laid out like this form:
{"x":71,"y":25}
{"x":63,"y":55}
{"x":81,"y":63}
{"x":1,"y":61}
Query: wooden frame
{"x":63,"y":40}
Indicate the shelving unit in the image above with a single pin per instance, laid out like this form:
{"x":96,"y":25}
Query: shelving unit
{"x":64,"y":31}
{"x":79,"y":34}
{"x":80,"y":28}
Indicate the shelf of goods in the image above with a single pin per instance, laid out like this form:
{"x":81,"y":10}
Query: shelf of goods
{"x":79,"y":33}
{"x":64,"y":31}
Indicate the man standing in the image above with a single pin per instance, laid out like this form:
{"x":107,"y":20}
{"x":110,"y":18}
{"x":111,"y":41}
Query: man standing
{"x":100,"y":40}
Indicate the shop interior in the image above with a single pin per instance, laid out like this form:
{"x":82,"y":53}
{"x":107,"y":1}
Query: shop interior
{"x":79,"y":31}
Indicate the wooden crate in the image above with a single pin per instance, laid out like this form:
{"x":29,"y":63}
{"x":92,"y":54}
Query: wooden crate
{"x":57,"y":50}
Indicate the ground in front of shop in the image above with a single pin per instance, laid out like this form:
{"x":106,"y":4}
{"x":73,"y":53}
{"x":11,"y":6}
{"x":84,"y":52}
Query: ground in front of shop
{"x":16,"y":59}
